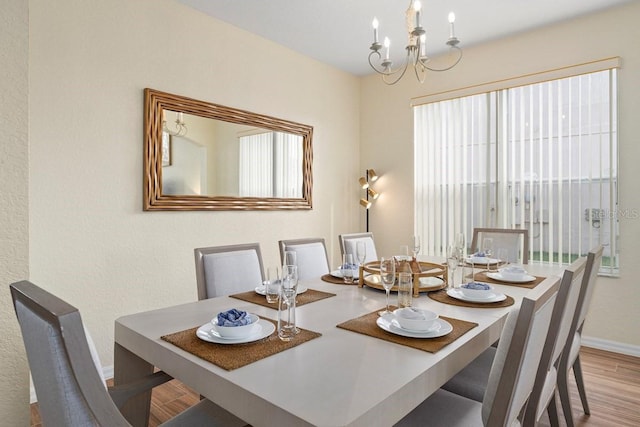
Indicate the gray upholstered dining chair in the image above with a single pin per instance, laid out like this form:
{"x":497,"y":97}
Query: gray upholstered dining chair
{"x":571,"y":354}
{"x":66,"y":376}
{"x":311,"y":256}
{"x":348,"y":244}
{"x":514,"y":240}
{"x":224,"y":270}
{"x":512,"y":373}
{"x":471,"y":382}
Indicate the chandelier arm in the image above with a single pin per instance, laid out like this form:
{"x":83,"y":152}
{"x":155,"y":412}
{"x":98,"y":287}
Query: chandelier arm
{"x":404,"y":70}
{"x":421,"y":74}
{"x":449,"y":67}
{"x":373,"y":66}
{"x":388,"y":71}
{"x":181,"y":129}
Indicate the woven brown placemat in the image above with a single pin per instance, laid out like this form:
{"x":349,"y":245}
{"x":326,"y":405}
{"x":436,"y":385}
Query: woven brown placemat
{"x":367,"y":325}
{"x":336,"y":280}
{"x":441,"y":296}
{"x":305,"y":298}
{"x":233,"y":356}
{"x":482,"y":277}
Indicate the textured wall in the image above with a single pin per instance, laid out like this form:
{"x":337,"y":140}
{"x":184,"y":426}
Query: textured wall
{"x":14,"y":205}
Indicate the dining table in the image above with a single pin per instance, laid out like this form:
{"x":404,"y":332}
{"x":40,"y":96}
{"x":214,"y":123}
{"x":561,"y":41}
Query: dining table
{"x":345,"y":371}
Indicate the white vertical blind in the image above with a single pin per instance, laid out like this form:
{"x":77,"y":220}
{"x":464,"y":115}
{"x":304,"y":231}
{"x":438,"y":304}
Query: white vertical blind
{"x":256,"y":165}
{"x":541,"y":156}
{"x":288,"y":165}
{"x":270,"y":165}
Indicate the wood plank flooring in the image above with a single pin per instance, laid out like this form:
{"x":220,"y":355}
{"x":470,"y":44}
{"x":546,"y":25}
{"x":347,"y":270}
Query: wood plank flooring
{"x":612,"y":382}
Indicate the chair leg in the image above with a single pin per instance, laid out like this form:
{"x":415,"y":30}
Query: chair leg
{"x":552,"y":411}
{"x":577,"y":372}
{"x":563,"y":391}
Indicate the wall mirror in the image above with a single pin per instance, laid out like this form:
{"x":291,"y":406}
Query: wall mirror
{"x":204,"y":156}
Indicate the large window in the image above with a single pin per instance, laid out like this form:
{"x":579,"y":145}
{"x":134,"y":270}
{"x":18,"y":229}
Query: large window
{"x":540,"y":156}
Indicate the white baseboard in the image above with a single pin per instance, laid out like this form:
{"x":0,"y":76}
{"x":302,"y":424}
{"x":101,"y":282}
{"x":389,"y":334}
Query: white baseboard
{"x":612,"y":346}
{"x":107,"y":373}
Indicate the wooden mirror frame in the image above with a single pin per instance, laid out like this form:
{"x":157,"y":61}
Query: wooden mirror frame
{"x":155,"y":102}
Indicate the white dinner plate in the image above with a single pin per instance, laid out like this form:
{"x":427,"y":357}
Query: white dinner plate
{"x":525,"y":278}
{"x":262,"y":291}
{"x":389,"y":324}
{"x":482,"y":260}
{"x":457,"y":294}
{"x":206,"y":332}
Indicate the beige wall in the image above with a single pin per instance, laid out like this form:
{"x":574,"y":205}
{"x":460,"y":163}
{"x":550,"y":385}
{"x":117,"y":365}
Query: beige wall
{"x":386,"y":141}
{"x":91,"y":243}
{"x":14,"y":205}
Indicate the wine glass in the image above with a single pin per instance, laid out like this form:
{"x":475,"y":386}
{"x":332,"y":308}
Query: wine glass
{"x":487,"y":250}
{"x":388,"y":276}
{"x":416,"y":246}
{"x":290,"y":258}
{"x":453,"y":259}
{"x":289,"y":290}
{"x":503,"y":257}
{"x":460,"y":243}
{"x":404,"y":252}
{"x":361,"y":252}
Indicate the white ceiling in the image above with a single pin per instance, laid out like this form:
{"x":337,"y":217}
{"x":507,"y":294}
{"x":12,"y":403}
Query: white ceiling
{"x":339,"y":33}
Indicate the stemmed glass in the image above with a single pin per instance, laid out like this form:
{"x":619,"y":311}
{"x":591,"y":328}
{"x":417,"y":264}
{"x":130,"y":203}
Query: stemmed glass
{"x":460,"y":243}
{"x":416,"y":246}
{"x":289,"y":290}
{"x":388,"y":276}
{"x":361,"y":252}
{"x":453,"y":259}
{"x":290,"y":258}
{"x":487,"y":249}
{"x":503,"y":257}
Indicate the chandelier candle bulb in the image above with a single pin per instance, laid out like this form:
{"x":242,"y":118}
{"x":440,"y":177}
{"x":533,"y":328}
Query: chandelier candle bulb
{"x":423,"y":46}
{"x":387,"y":43}
{"x":375,"y":30}
{"x":417,"y":6}
{"x":452,"y":19}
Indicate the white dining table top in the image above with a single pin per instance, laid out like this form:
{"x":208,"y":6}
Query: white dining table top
{"x":342,"y":378}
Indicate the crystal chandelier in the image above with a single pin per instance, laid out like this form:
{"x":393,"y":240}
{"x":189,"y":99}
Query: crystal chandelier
{"x":416,"y":48}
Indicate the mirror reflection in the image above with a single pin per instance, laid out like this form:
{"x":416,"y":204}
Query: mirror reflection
{"x":205,"y":156}
{"x":209,"y":157}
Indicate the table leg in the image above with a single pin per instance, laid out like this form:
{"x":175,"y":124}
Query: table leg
{"x":129,"y":367}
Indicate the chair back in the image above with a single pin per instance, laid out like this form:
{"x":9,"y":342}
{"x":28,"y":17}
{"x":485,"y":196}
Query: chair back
{"x":594,"y":260}
{"x":571,"y":348}
{"x":518,"y":355}
{"x":561,"y":318}
{"x":348,"y":245}
{"x":515,"y":241}
{"x":224,"y":270}
{"x":311,"y":256}
{"x":69,"y":388}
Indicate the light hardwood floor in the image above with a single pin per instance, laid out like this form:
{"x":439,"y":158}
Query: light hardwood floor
{"x":612,"y":382}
